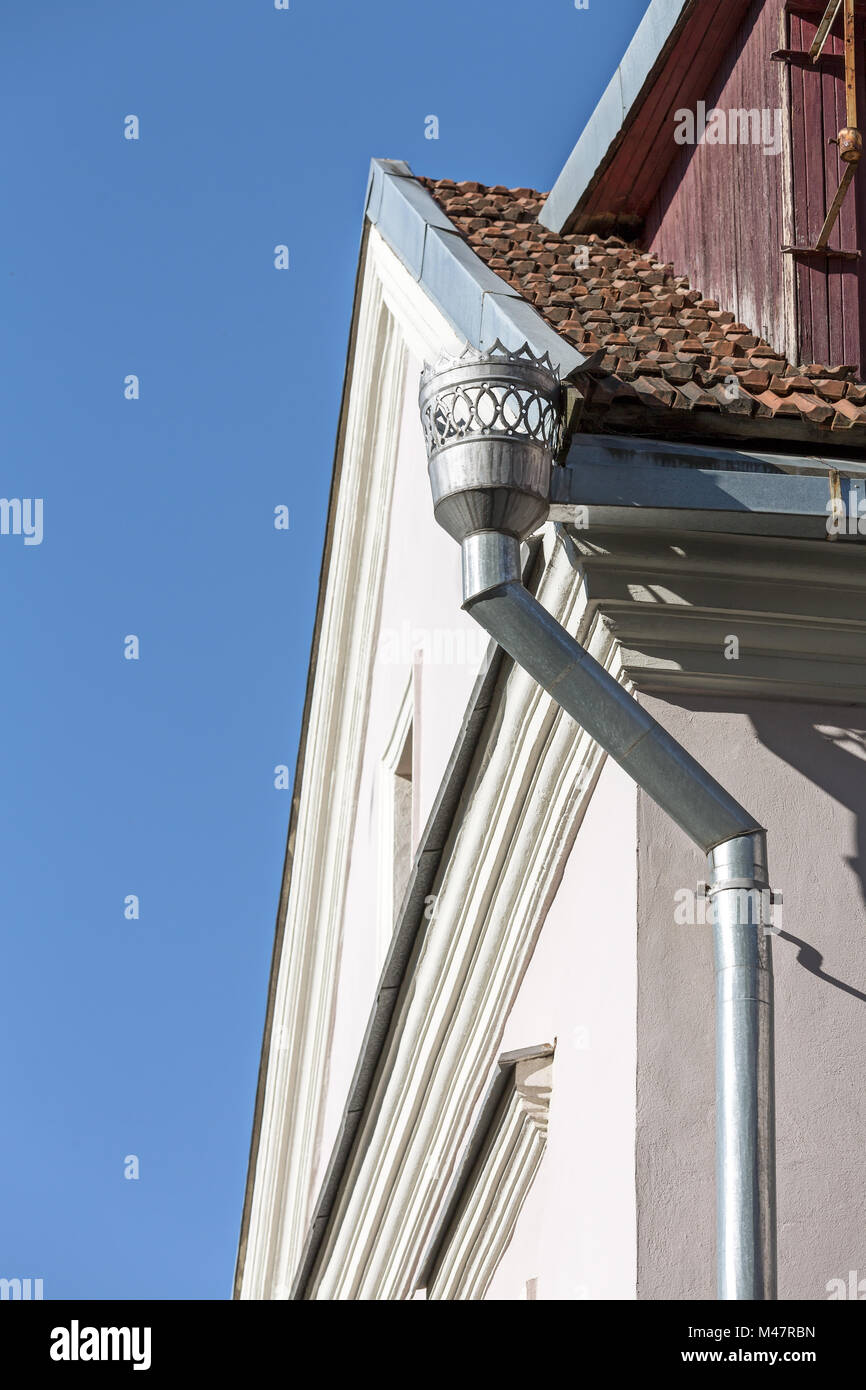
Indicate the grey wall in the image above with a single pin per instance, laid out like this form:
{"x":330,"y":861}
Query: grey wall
{"x":802,"y":770}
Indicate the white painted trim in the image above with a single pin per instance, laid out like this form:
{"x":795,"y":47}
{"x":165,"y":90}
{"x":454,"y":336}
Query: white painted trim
{"x":425,"y":331}
{"x":500,"y":1185}
{"x":394,"y":319}
{"x":510,"y":849}
{"x":797,"y":609}
{"x":386,"y":905}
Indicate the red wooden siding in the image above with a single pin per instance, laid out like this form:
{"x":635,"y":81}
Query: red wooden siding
{"x":723,"y":212}
{"x":719,"y":213}
{"x":828,"y":291}
{"x":630,"y":181}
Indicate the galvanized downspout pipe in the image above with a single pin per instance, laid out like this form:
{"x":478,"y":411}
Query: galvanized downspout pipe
{"x":492,"y":424}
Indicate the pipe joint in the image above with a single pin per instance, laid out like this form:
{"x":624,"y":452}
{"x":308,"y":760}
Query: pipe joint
{"x":490,"y":560}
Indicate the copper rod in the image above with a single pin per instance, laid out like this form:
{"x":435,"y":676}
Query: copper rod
{"x":850,"y":64}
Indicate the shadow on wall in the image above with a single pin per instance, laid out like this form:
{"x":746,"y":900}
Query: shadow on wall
{"x":833,"y":758}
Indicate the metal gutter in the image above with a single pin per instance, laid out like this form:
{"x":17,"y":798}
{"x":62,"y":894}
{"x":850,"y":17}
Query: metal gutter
{"x":599,"y":489}
{"x":479,"y":305}
{"x":409,"y":928}
{"x":612,"y":449}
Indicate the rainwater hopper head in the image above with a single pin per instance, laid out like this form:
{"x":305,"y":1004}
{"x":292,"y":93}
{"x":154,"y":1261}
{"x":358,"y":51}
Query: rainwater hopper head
{"x":492,"y":422}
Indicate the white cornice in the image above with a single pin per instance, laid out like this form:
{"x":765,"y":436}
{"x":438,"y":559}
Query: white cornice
{"x":674,"y":600}
{"x":522,"y":813}
{"x":394,"y":319}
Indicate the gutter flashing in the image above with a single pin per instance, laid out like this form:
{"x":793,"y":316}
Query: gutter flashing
{"x":477,"y":302}
{"x":604,"y":486}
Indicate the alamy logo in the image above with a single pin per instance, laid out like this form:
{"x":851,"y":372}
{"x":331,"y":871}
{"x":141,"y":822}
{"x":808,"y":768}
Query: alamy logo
{"x":747,"y":907}
{"x":22,"y":516}
{"x":855,"y":1288}
{"x":847,"y":516}
{"x":438,"y":646}
{"x":75,"y":1343}
{"x":740,"y":126}
{"x":21,"y":1288}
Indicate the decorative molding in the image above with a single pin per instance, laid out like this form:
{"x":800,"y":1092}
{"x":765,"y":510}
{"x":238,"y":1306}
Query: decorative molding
{"x":414,"y":914}
{"x":387,"y":904}
{"x":393,"y":320}
{"x":521,"y":814}
{"x":673,"y":600}
{"x":499,"y":1184}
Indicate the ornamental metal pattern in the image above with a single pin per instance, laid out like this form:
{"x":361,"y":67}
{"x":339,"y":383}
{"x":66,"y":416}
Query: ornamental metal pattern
{"x":494,"y":395}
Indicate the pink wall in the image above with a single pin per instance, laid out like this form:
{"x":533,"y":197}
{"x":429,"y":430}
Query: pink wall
{"x":805,"y":778}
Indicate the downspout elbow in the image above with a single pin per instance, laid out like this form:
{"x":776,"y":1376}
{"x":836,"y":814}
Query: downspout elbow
{"x":492,"y":423}
{"x":494,"y":594}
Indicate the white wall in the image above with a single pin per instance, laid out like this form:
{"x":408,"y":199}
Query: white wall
{"x":576,"y":1232}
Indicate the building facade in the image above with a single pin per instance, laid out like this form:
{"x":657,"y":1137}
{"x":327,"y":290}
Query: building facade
{"x":488,"y":1067}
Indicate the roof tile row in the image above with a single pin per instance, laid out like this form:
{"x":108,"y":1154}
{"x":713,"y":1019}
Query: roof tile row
{"x":658,"y":341}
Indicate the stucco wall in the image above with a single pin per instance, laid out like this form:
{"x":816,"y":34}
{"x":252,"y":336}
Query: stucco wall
{"x":802,"y":770}
{"x":576,"y":1231}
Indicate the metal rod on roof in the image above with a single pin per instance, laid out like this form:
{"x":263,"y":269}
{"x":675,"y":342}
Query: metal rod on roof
{"x":835,"y":207}
{"x":850,"y":139}
{"x":823,"y":32}
{"x":850,"y":65}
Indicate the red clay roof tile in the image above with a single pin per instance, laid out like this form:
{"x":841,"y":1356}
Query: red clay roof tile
{"x":659,"y":341}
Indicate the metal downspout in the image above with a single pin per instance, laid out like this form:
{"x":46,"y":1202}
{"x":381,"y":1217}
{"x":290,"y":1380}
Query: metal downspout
{"x":491,"y":422}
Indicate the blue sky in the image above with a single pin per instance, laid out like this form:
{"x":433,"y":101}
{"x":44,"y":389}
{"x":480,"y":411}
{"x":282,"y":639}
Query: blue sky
{"x":155,"y":777}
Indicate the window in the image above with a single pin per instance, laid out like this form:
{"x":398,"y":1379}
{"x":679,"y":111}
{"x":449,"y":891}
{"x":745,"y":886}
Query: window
{"x":503,"y":1159}
{"x":397,"y":829}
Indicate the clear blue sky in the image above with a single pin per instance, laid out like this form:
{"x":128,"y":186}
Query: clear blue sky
{"x":155,"y":777}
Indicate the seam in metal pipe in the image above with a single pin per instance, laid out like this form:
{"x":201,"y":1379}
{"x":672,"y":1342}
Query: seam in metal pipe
{"x":496,"y":598}
{"x":745,"y":1100}
{"x":492,"y":427}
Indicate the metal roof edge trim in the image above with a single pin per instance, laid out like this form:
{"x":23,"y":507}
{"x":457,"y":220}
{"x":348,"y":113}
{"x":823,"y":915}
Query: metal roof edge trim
{"x":622,"y":96}
{"x":479,"y":304}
